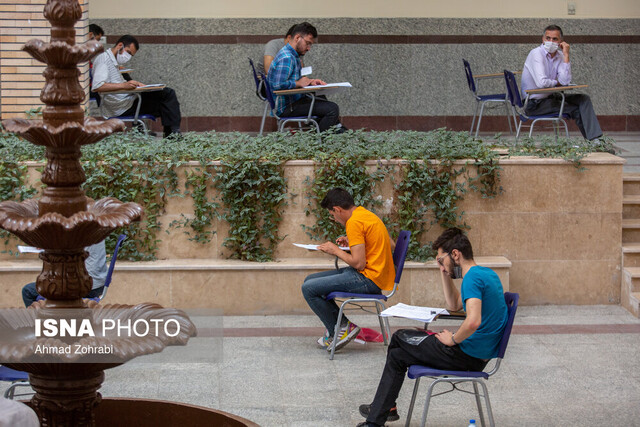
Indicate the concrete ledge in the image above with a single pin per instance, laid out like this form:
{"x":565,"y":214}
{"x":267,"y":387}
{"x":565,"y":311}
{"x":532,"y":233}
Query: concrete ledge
{"x":236,"y":287}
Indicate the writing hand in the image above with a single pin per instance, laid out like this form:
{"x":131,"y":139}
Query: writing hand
{"x":316,"y":82}
{"x":329,"y":248}
{"x":342,"y":241}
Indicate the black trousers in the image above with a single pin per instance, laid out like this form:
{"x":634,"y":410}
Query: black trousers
{"x":577,"y":106}
{"x":328,"y":112}
{"x":163,"y":103}
{"x":412,"y":347}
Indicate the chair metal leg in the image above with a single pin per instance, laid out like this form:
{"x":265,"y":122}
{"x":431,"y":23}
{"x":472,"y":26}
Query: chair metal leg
{"x":384,"y":329}
{"x":518,"y":131}
{"x":475,"y":113}
{"x":264,"y":116}
{"x":413,"y":401}
{"x":507,"y":106}
{"x":488,"y":403}
{"x":10,"y":392}
{"x":337,"y":329}
{"x":478,"y":403}
{"x":426,"y":403}
{"x":479,"y":120}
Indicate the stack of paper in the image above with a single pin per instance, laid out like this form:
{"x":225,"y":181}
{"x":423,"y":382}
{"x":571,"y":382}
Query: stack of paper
{"x":421,"y":314}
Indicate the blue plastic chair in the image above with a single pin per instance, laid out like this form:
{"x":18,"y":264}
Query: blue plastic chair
{"x":112,"y":264}
{"x":399,"y":256}
{"x":482,"y":100}
{"x":456,"y":377}
{"x":308,"y":120}
{"x":17,"y":379}
{"x":518,"y":106}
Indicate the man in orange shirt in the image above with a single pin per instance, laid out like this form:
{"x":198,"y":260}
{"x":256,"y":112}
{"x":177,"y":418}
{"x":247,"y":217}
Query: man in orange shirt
{"x":370,"y":264}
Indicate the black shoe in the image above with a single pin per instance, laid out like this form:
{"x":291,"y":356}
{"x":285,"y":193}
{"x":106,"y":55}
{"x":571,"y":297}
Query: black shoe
{"x":175,"y":134}
{"x":393,"y":413}
{"x":366,"y":424}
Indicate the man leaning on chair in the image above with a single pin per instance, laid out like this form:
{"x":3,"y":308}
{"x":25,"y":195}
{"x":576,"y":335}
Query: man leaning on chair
{"x":548,"y":65}
{"x":469,"y":349}
{"x":370,"y":265}
{"x":107,"y":78}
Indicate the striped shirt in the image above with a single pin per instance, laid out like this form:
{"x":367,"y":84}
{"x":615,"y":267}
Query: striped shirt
{"x":105,"y":70}
{"x":283,"y":74}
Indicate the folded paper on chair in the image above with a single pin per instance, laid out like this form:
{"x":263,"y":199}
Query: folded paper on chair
{"x":421,"y":314}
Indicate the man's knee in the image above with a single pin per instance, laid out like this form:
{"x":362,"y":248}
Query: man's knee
{"x":29,"y":293}
{"x":169,"y":94}
{"x":308,"y":290}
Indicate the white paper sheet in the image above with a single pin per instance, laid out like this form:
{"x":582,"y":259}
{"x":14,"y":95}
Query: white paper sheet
{"x":315,"y":247}
{"x":29,"y":249}
{"x":341,"y":84}
{"x":421,"y":314}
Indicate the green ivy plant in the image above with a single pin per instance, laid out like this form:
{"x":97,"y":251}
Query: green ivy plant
{"x":199,"y":226}
{"x":240,"y":180}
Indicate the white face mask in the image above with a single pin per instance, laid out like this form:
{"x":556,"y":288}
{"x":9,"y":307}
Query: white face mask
{"x":123,"y":58}
{"x":550,"y":47}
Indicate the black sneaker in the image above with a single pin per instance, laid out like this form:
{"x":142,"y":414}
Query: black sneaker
{"x":393,"y":413}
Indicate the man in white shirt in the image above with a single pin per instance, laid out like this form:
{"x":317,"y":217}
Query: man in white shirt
{"x":107,"y":78}
{"x":548,"y":65}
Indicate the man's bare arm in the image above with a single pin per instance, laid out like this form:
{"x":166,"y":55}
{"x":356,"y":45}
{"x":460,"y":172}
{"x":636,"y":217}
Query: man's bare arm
{"x":110,"y":87}
{"x":356,"y":259}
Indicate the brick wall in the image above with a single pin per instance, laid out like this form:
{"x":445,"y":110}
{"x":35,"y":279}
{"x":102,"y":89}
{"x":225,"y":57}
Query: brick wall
{"x":21,"y":77}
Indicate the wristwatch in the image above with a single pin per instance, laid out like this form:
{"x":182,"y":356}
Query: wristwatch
{"x":453,"y":339}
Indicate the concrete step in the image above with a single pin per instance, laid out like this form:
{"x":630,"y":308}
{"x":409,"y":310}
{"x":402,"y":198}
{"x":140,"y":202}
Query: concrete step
{"x":631,"y":206}
{"x":631,"y":255}
{"x":631,"y":184}
{"x":630,"y":290}
{"x":630,"y":300}
{"x":235,"y":287}
{"x":630,"y":230}
{"x":633,"y":274}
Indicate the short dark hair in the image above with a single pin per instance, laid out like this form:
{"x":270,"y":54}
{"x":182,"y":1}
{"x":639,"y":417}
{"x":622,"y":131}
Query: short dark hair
{"x":553,"y":28}
{"x":337,"y":197}
{"x":96,"y":29}
{"x":290,"y":31}
{"x":454,"y":238}
{"x":127,"y":40}
{"x":303,"y":29}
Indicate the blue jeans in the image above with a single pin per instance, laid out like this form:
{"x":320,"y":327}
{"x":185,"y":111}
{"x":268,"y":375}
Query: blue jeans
{"x":347,"y":279}
{"x":29,"y":293}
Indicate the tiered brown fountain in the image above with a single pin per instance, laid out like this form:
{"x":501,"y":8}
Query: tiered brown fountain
{"x":62,"y":222}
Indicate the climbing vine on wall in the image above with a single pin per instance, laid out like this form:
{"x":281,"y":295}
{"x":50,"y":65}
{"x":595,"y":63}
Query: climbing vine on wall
{"x":240,"y":180}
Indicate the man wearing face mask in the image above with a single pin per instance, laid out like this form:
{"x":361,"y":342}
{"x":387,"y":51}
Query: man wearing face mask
{"x":107,"y":78}
{"x":549,"y":65}
{"x":468,"y":349}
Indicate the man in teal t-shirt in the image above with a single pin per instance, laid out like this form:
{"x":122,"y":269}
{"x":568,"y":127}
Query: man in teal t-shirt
{"x":469,"y":349}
